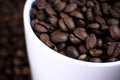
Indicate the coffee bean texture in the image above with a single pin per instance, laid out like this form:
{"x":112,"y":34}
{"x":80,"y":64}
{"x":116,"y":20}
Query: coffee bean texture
{"x":87,"y":30}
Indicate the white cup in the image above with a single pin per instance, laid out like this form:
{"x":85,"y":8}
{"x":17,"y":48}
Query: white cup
{"x":46,"y":64}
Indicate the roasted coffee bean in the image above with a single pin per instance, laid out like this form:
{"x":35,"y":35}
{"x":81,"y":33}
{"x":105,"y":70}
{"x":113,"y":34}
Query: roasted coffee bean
{"x":111,"y":48}
{"x":90,"y":4}
{"x":117,"y":50}
{"x":84,"y":9}
{"x":53,"y":20}
{"x":86,"y":30}
{"x":83,"y":57}
{"x":79,"y":2}
{"x":100,"y":42}
{"x":46,"y":39}
{"x":60,"y":6}
{"x":106,"y":8}
{"x":80,"y":23}
{"x":70,"y":7}
{"x":41,"y":17}
{"x":61,"y":46}
{"x":112,"y":59}
{"x":62,"y":52}
{"x":58,"y":37}
{"x":40,"y":28}
{"x":115,"y":13}
{"x":97,"y":10}
{"x":68,"y":21}
{"x":82,"y":49}
{"x":89,"y":14}
{"x":104,"y":27}
{"x":91,"y":41}
{"x":114,"y":32}
{"x":33,"y":13}
{"x":100,"y":20}
{"x":93,"y":25}
{"x":49,"y":10}
{"x":71,"y":51}
{"x":95,"y":60}
{"x":96,"y":52}
{"x":63,"y":26}
{"x":74,"y":39}
{"x":80,"y":33}
{"x":113,"y":21}
{"x":77,"y":14}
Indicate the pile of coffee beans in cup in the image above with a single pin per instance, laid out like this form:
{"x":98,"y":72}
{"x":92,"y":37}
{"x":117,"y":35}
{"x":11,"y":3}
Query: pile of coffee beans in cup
{"x":87,"y":30}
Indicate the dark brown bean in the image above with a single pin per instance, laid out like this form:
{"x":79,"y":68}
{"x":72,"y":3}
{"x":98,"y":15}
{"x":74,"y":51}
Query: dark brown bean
{"x":53,"y":20}
{"x":71,"y":51}
{"x":77,"y":14}
{"x":49,"y":10}
{"x":80,"y":33}
{"x":112,"y":59}
{"x":60,"y":6}
{"x":91,"y":41}
{"x":100,"y":20}
{"x":82,"y":49}
{"x":93,"y":25}
{"x":89,"y":14}
{"x":40,"y":28}
{"x":114,"y":32}
{"x":70,"y":7}
{"x":113,"y":21}
{"x":68,"y":21}
{"x":106,"y":8}
{"x":90,"y":4}
{"x":58,"y":37}
{"x":95,"y":60}
{"x":96,"y":52}
{"x":63,"y":26}
{"x":74,"y":39}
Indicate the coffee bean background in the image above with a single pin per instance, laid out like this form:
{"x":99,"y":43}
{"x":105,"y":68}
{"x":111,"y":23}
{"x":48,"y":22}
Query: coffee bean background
{"x":13,"y":57}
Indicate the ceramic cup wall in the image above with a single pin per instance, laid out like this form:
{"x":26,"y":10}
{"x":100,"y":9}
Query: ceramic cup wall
{"x":47,"y":64}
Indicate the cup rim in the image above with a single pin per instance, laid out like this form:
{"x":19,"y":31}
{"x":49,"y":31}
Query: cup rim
{"x":26,"y":19}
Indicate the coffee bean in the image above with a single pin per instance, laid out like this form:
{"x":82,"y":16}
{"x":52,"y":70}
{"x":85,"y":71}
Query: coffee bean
{"x":74,"y":39}
{"x":41,"y":17}
{"x":53,"y":20}
{"x":77,"y":14}
{"x":80,"y":33}
{"x":49,"y":10}
{"x":70,"y":7}
{"x":68,"y":21}
{"x":58,"y":37}
{"x":71,"y":51}
{"x":33,"y":13}
{"x":60,"y":6}
{"x":62,"y":25}
{"x":82,"y":49}
{"x":83,"y":57}
{"x":40,"y":28}
{"x":111,"y":48}
{"x":113,"y":21}
{"x":112,"y":59}
{"x":114,"y":32}
{"x":96,"y":52}
{"x":100,"y":20}
{"x":94,"y":25}
{"x":97,"y":10}
{"x":90,"y":4}
{"x":89,"y":14}
{"x":91,"y":41}
{"x":106,"y":8}
{"x":95,"y":60}
{"x":39,"y":4}
{"x":61,"y":46}
{"x":104,"y":27}
{"x":100,"y":42}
